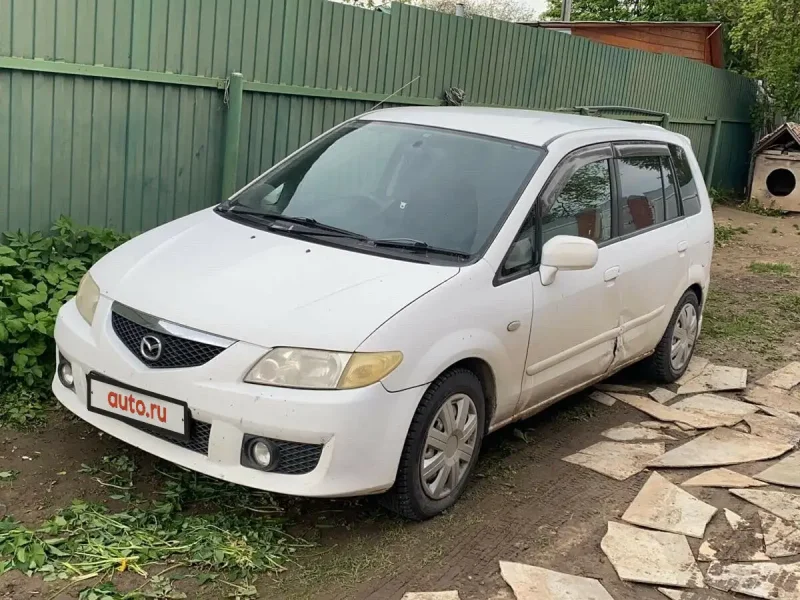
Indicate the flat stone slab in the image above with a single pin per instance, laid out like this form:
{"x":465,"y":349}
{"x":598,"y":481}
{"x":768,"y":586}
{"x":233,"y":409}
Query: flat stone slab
{"x":535,"y":583}
{"x":662,"y":395}
{"x":784,"y":378}
{"x":628,"y":432}
{"x":781,"y":414}
{"x":603,"y":398}
{"x":662,"y":505}
{"x":781,"y":504}
{"x":615,"y":459}
{"x":785,"y":472}
{"x":693,"y":420}
{"x":616,"y":387}
{"x":774,"y":397}
{"x":716,"y":378}
{"x":696,"y":366}
{"x":774,"y":428}
{"x":712,"y":405}
{"x":781,"y":538}
{"x":722,"y":478}
{"x":759,"y":580}
{"x":653,"y":557}
{"x":431,"y":596}
{"x":660,"y":425}
{"x":733,"y":538}
{"x":690,"y":594}
{"x":721,"y":447}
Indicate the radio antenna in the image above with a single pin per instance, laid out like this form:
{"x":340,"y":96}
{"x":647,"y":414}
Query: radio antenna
{"x":394,"y":93}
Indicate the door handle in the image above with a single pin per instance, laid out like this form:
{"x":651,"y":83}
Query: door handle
{"x":683,"y":246}
{"x":611,"y":274}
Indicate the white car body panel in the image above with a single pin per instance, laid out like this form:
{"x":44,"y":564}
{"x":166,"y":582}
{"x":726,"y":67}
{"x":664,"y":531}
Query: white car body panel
{"x":534,"y":343}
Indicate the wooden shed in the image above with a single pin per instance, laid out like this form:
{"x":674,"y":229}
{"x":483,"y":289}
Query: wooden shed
{"x":776,"y":169}
{"x":696,"y":40}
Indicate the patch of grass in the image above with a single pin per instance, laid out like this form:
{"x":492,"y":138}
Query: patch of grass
{"x":789,"y":306}
{"x":724,"y":234}
{"x":770,"y":268}
{"x":22,"y":408}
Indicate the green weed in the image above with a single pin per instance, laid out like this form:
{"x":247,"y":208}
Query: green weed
{"x":8,"y":475}
{"x":723,"y":234}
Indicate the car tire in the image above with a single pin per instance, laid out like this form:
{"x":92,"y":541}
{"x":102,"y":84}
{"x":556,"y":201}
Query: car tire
{"x":412,"y":496}
{"x":661,"y":365}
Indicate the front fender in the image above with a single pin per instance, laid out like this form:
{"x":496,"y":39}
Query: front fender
{"x":465,"y":317}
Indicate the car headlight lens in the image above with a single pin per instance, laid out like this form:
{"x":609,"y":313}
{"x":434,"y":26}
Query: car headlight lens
{"x":87,"y":297}
{"x":320,"y":369}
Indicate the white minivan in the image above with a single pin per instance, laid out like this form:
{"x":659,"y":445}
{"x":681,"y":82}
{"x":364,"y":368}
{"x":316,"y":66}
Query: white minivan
{"x":359,"y":317}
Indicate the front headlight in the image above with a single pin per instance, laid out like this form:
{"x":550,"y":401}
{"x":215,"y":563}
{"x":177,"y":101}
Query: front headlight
{"x":87,"y":297}
{"x":320,"y":369}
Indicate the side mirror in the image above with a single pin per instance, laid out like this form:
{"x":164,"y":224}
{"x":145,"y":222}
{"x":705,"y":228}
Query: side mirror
{"x":566,"y":253}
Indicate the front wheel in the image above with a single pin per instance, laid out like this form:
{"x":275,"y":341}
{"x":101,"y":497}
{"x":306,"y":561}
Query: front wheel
{"x":441,"y":448}
{"x":673,"y":353}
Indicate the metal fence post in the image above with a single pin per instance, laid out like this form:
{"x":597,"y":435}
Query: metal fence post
{"x":712,"y":152}
{"x":233,"y":126}
{"x":665,"y":121}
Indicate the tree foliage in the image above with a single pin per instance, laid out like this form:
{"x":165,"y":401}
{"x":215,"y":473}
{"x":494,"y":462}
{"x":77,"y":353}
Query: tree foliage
{"x":632,"y":10}
{"x":765,"y":35}
{"x":505,"y":10}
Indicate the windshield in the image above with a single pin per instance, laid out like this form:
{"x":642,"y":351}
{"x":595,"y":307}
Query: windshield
{"x":389,"y":181}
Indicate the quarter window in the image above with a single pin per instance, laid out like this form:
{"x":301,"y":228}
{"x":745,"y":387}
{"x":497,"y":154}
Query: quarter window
{"x":686,"y":182}
{"x":642,"y":203}
{"x":582,"y":206}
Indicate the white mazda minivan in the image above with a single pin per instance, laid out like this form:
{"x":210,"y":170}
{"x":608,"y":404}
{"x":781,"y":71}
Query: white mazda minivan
{"x":359,"y":317}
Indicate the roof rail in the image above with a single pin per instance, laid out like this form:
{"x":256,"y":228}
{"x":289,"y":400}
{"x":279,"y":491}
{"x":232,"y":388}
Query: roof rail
{"x":589,"y":110}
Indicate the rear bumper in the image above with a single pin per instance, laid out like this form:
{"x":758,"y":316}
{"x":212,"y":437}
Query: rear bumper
{"x":362,"y":431}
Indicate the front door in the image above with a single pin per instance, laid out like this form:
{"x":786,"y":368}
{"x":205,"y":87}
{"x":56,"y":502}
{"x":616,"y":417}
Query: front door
{"x":575,"y":318}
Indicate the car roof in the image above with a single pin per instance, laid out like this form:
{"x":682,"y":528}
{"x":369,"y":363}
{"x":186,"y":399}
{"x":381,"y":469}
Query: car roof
{"x":527,"y":126}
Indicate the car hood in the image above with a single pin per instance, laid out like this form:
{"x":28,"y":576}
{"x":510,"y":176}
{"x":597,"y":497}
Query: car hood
{"x":210,"y":273}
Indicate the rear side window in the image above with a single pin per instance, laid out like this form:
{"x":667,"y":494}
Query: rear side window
{"x":686,"y":183}
{"x":642,"y":195}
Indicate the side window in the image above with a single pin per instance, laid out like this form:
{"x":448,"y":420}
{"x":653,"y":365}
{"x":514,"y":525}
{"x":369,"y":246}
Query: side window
{"x":670,"y":192}
{"x":686,"y":183}
{"x":641,"y":184}
{"x":520,"y":255}
{"x":582,"y":206}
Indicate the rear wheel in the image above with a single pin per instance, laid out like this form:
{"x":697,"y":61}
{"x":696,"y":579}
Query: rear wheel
{"x":441,"y":448}
{"x":674,"y":351}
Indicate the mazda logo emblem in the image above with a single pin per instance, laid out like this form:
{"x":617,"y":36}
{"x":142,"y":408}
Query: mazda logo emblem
{"x":151,"y":348}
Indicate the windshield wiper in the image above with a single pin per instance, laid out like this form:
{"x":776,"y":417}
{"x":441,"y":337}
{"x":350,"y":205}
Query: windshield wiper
{"x":418,"y":246}
{"x":322,"y":228}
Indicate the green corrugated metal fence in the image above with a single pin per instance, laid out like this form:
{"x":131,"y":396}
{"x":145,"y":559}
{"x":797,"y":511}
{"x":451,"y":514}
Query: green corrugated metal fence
{"x":114,"y":111}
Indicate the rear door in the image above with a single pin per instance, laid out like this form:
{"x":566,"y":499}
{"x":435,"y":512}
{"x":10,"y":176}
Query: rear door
{"x":652,"y":247}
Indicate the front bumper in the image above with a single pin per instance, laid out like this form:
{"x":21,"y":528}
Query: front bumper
{"x":362,"y":431}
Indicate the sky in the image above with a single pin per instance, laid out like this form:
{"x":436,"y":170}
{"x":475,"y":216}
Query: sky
{"x":538,"y":5}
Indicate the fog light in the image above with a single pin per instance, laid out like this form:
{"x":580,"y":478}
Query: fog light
{"x":262,"y":453}
{"x":65,"y":374}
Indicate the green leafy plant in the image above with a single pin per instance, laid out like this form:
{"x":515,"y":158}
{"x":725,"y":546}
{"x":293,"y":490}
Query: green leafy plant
{"x":22,"y":407}
{"x":38,"y":274}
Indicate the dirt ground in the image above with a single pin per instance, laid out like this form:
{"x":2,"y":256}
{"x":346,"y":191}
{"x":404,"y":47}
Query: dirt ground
{"x":525,"y":504}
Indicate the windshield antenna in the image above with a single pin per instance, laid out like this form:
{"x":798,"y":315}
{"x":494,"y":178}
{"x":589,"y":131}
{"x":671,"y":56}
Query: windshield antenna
{"x":394,"y":93}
